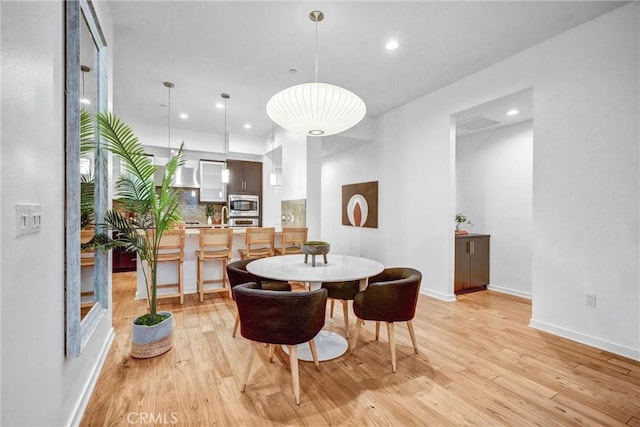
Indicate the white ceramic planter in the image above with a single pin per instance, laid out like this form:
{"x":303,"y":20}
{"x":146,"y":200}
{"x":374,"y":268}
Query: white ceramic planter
{"x":152,"y":341}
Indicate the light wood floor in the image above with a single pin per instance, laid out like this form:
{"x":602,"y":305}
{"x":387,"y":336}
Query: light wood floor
{"x":479,"y":364}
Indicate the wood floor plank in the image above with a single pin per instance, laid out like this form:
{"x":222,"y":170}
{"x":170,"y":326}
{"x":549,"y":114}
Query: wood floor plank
{"x":479,"y":363}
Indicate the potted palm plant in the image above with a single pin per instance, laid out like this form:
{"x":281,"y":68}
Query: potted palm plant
{"x":149,"y":213}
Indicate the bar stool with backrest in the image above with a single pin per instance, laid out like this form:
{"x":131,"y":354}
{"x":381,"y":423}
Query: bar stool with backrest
{"x":87,"y":259}
{"x":292,"y":238}
{"x":259,"y":242}
{"x":215,"y":245}
{"x":171,"y":249}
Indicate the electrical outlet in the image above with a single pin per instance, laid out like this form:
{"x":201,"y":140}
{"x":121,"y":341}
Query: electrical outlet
{"x":590,"y":299}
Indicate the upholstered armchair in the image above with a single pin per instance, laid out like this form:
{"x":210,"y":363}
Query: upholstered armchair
{"x":280,"y":318}
{"x":344,"y":292}
{"x":391,"y":296}
{"x":237,"y":274}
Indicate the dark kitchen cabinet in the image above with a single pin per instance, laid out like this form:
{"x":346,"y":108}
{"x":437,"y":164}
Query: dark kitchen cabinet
{"x":471,"y":263}
{"x":244,"y":177}
{"x":123,"y":260}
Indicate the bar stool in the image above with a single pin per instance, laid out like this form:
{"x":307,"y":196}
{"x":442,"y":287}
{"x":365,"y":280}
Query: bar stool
{"x":87,"y":259}
{"x":292,"y":238}
{"x":215,"y":245}
{"x":171,"y":249}
{"x":259,"y":242}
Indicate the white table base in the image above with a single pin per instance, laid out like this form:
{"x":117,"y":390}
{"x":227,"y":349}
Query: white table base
{"x":329,"y":345}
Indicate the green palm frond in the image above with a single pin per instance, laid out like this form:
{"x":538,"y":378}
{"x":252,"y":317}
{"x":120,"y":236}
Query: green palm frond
{"x":127,"y":235}
{"x":123,"y":143}
{"x":131,"y":188}
{"x":87,"y":132}
{"x":87,"y":200}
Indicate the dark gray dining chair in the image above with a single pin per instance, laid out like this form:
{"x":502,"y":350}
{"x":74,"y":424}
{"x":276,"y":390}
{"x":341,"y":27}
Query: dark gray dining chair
{"x":237,"y":274}
{"x":391,"y":296}
{"x":343,"y":292}
{"x":280,"y":318}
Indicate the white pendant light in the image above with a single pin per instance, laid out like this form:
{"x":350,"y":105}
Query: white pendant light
{"x":272,"y":175}
{"x":316,"y":109}
{"x":225,"y":171}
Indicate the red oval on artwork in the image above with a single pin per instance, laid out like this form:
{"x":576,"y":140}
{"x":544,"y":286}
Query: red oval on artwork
{"x":357,"y":214}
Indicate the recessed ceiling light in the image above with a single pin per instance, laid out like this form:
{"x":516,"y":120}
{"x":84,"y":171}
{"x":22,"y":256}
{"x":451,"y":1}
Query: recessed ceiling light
{"x":513,"y":112}
{"x":392,"y":45}
{"x":247,"y":125}
{"x":220,"y":105}
{"x":184,"y":116}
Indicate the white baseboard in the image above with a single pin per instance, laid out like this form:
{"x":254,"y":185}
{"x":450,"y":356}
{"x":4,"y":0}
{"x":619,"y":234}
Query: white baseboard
{"x":93,"y":379}
{"x":438,"y":295}
{"x":509,"y":291}
{"x":632,"y":353}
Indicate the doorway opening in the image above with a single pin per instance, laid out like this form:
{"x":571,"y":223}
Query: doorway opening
{"x":494,"y":191}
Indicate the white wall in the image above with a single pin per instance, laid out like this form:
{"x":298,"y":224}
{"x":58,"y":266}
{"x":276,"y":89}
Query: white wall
{"x":39,"y":385}
{"x":494,"y":173}
{"x":585,"y":180}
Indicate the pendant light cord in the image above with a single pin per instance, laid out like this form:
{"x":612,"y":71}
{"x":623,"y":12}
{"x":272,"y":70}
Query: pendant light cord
{"x":226,"y":142}
{"x":169,"y":117}
{"x":316,"y":51}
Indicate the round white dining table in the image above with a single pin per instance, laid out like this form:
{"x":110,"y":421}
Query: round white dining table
{"x":339,"y":268}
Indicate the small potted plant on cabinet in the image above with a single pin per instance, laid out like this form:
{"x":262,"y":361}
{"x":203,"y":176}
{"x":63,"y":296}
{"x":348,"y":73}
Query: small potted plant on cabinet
{"x":151,"y":212}
{"x":461,"y":219}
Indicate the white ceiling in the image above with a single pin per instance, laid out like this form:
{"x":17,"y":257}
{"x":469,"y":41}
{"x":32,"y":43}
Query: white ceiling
{"x":495,"y":113}
{"x":247,"y":48}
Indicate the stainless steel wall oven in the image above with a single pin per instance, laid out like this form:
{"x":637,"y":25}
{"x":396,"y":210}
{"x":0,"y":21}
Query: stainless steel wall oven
{"x":244,"y":205}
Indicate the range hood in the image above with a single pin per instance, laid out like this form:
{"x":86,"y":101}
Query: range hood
{"x":187,"y":176}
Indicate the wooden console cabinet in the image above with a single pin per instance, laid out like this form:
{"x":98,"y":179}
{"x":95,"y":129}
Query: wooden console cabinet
{"x":471,"y":263}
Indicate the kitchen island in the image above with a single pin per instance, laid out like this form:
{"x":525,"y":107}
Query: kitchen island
{"x":168,"y":272}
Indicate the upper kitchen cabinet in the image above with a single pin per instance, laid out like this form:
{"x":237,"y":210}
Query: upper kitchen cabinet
{"x":244,"y":177}
{"x":211,"y":187}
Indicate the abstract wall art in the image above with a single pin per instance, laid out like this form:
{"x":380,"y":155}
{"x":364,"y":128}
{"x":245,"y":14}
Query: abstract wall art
{"x":360,"y":204}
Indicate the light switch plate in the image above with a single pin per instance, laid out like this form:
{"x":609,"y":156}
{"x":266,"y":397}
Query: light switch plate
{"x":28,"y":218}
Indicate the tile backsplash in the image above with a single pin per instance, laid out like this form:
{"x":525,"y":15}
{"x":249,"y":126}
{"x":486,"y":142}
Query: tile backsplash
{"x":294,"y":213}
{"x":192,"y":210}
{"x":195,"y":211}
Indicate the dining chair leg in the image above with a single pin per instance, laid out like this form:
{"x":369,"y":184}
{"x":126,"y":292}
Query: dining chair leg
{"x":235,"y":325}
{"x":332,"y":304}
{"x":377,"y":330}
{"x":314,"y":354}
{"x":252,"y":353}
{"x":356,"y":332}
{"x":271,"y":351}
{"x":345,"y":314}
{"x":392,"y":344}
{"x":413,"y":336}
{"x":293,"y":361}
